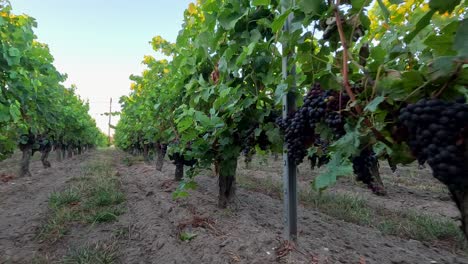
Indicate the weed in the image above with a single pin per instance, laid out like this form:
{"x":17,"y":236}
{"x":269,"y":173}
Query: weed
{"x":67,"y":197}
{"x":93,"y":197}
{"x":57,"y":225}
{"x":187,"y":236}
{"x":121,"y":232}
{"x":100,"y":253}
{"x":345,"y":207}
{"x":105,"y":193}
{"x":104,"y":215}
{"x":419,"y":226}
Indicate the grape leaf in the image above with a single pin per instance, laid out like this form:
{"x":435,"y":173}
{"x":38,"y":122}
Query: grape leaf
{"x":358,"y":5}
{"x":372,"y":106}
{"x":335,"y":168}
{"x":443,"y":6}
{"x":313,"y":7}
{"x":278,"y":23}
{"x":280,"y":91}
{"x":442,"y":67}
{"x":228,"y":19}
{"x":461,"y":38}
{"x":4,"y":113}
{"x":15,"y":112}
{"x":384,"y":9}
{"x":422,"y":23}
{"x":261,"y":2}
{"x":442,"y":43}
{"x":348,"y":144}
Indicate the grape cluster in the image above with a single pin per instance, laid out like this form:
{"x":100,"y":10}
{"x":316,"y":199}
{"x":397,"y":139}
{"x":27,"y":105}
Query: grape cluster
{"x":318,"y":160}
{"x":362,"y":167}
{"x":435,"y":136}
{"x":179,"y":158}
{"x":248,"y":153}
{"x":298,"y":133}
{"x":336,"y":122}
{"x":299,"y":128}
{"x":249,"y":142}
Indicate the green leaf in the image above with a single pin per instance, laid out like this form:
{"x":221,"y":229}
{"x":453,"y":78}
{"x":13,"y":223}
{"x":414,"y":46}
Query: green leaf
{"x":13,"y":52}
{"x":185,"y":123}
{"x":12,"y":56}
{"x":337,"y":167}
{"x":274,"y":136}
{"x":4,"y":113}
{"x":401,"y":154}
{"x":177,"y":194}
{"x":372,"y":106}
{"x":443,"y":6}
{"x":442,"y":44}
{"x":378,"y":57}
{"x":187,"y":236}
{"x":15,"y":112}
{"x":384,"y":9}
{"x":461,"y":38}
{"x":442,"y":67}
{"x":314,"y":7}
{"x":260,"y":2}
{"x":278,"y":23}
{"x":411,"y":80}
{"x":228,"y":19}
{"x":203,"y":119}
{"x":348,"y":144}
{"x":280,"y":91}
{"x":380,"y":149}
{"x":358,"y":5}
{"x":422,"y":23}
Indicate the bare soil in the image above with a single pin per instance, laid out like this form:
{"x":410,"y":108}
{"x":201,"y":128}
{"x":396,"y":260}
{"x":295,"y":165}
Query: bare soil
{"x":23,"y":205}
{"x":158,"y":229}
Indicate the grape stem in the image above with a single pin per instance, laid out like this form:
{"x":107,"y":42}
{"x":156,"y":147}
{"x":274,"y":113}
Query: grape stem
{"x":374,"y":87}
{"x":345,"y":71}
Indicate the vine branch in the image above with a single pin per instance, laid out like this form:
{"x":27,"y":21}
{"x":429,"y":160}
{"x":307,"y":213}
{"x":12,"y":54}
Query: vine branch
{"x":345,"y":71}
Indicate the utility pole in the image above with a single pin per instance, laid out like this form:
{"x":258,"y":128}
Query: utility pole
{"x":110,"y":119}
{"x":289,"y":166}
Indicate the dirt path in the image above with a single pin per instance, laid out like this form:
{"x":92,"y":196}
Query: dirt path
{"x":249,"y":233}
{"x":23,"y":206}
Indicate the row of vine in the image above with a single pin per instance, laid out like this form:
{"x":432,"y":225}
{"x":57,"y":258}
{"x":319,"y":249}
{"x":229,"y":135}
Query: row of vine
{"x":218,"y":89}
{"x":37,"y":112}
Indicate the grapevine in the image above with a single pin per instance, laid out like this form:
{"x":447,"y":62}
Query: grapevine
{"x":36,"y":110}
{"x":358,"y":63}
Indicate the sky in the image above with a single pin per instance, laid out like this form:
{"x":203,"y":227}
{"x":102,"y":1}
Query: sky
{"x":99,"y":43}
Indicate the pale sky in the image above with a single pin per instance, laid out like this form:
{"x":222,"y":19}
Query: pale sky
{"x":100,"y":43}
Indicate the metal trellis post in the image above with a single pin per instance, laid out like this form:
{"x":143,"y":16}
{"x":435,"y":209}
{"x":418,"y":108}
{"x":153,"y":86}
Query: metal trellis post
{"x":110,"y":120}
{"x":289,"y":166}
